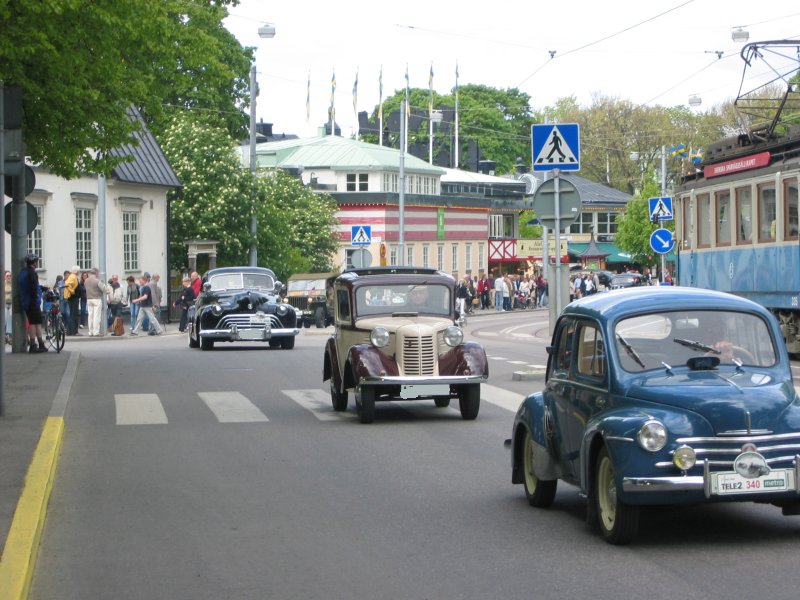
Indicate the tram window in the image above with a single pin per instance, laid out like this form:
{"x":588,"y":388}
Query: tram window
{"x":703,"y":221}
{"x":790,"y":209}
{"x":766,"y":212}
{"x":723,"y":212}
{"x":688,"y":221}
{"x":744,"y":216}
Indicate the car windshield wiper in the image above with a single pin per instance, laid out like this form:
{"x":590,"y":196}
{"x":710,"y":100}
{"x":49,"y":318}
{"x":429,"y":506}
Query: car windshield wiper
{"x":631,"y":352}
{"x":696,"y":345}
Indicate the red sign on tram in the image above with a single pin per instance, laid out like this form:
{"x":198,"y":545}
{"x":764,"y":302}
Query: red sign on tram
{"x":739,"y":164}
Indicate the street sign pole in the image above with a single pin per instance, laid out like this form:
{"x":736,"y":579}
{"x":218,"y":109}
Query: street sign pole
{"x":557,"y":198}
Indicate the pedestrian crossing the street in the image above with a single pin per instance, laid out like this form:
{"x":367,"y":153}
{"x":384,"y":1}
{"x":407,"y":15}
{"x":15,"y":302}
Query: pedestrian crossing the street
{"x":231,"y":407}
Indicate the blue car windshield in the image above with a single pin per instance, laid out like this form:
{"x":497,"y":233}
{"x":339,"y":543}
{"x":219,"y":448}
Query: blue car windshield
{"x":644,"y":342}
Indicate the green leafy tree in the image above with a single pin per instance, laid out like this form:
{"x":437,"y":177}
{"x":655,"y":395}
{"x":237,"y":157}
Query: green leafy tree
{"x":296,"y":227}
{"x":81,"y":65}
{"x":634,"y":226}
{"x":526,"y":231}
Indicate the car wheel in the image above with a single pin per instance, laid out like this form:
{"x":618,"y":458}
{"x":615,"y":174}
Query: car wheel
{"x":287,"y":343}
{"x":274,"y":343}
{"x":619,"y":522}
{"x":319,"y":317}
{"x":365,"y":403}
{"x":442,"y":401}
{"x":539,"y":493}
{"x":469,"y":400}
{"x":338,"y":399}
{"x":206,"y":343}
{"x":193,"y":343}
{"x":307,"y":324}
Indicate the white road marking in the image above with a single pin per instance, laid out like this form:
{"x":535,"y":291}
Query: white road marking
{"x":501,"y":397}
{"x":496,"y":358}
{"x":516,"y":362}
{"x":139,"y":409}
{"x":537,"y":366}
{"x":488,"y":333}
{"x":318,"y":402}
{"x":232,"y":407}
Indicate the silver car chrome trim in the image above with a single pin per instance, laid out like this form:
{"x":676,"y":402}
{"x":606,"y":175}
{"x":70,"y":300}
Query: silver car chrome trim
{"x":619,"y":438}
{"x":740,"y":438}
{"x":662,"y":484}
{"x":403,"y":379}
{"x":227,"y":333}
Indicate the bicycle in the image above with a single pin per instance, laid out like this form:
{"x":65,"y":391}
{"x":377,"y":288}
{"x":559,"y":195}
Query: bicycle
{"x":55,"y":332}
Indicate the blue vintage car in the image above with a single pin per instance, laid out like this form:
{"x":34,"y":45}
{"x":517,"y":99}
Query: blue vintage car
{"x":661,"y":395}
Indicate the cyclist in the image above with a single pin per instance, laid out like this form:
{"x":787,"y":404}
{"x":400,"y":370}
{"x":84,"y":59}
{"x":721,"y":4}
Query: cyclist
{"x":31,"y":297}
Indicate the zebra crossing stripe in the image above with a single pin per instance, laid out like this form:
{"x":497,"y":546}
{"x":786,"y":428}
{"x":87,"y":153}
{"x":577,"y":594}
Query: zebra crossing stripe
{"x":318,"y":402}
{"x":139,"y":409}
{"x":501,"y":397}
{"x":232,"y":407}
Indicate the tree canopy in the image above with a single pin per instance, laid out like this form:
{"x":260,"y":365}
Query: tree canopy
{"x":82,"y":64}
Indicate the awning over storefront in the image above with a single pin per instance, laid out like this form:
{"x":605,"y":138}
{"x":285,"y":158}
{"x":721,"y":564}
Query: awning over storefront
{"x":615,"y":255}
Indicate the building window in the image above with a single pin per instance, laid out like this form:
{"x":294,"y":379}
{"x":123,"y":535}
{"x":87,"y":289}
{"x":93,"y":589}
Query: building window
{"x":454,"y":258}
{"x":703,"y":221}
{"x":440,"y":257}
{"x":606,"y":223}
{"x":501,"y":226}
{"x":425,"y":257}
{"x":393,"y":255}
{"x":410,"y":254}
{"x":744,"y":216}
{"x":480,"y":257}
{"x":83,"y":237}
{"x":723,"y":212}
{"x":390,"y":182}
{"x":468,"y":258}
{"x":130,"y":240}
{"x":790,"y":209}
{"x":35,"y":237}
{"x":357,"y":182}
{"x":767,"y":213}
{"x":584,"y":223}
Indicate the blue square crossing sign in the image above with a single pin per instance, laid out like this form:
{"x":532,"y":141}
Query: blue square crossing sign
{"x":556,"y":147}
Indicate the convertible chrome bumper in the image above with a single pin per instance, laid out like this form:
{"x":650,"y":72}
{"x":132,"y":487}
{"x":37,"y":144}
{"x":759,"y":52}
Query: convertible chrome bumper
{"x":417,"y":379}
{"x":236,"y":334}
{"x":663,"y":484}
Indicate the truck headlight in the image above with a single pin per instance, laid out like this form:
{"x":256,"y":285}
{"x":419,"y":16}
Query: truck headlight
{"x":652,"y":435}
{"x":453,"y":336}
{"x":379,"y":337}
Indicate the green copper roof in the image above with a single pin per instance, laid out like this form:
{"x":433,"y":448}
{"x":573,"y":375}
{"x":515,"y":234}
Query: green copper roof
{"x":338,"y":154}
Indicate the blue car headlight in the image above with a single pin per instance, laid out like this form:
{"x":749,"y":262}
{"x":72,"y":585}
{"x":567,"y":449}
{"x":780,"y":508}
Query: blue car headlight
{"x":652,"y":435}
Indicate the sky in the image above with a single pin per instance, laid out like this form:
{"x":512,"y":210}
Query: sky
{"x":652,"y":53}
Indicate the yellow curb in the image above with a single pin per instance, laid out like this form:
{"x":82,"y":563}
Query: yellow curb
{"x":22,"y":544}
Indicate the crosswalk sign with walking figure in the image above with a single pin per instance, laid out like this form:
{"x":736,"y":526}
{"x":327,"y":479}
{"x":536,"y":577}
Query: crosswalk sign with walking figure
{"x":556,"y":147}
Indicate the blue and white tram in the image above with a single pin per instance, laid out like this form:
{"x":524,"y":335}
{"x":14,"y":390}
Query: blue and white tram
{"x":737,"y":225}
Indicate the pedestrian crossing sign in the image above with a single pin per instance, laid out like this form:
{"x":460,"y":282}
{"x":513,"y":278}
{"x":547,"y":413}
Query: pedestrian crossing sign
{"x":556,"y":147}
{"x":661,"y":209}
{"x":361,"y":235}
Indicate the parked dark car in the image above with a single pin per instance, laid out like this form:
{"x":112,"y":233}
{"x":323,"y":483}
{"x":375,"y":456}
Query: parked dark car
{"x":661,"y":395}
{"x":625,"y":280}
{"x":306,"y":292}
{"x":241,"y":304}
{"x":396,"y":339}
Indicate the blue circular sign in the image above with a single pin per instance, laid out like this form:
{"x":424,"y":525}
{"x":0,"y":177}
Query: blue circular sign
{"x":661,"y":241}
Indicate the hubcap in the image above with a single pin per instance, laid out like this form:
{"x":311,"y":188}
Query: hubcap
{"x":607,"y":493}
{"x":531,"y":481}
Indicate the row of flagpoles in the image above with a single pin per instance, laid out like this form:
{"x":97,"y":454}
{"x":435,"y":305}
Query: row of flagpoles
{"x":332,"y":108}
{"x":680,"y":151}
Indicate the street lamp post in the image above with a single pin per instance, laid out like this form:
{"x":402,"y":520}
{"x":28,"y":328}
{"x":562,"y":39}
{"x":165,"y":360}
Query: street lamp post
{"x":265,"y":31}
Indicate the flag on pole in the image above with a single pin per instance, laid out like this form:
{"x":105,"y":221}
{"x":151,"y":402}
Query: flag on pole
{"x":380,"y":94}
{"x":430,"y":90}
{"x":333,"y":92}
{"x":308,"y":98}
{"x":456,"y":150}
{"x":408,"y":94}
{"x":355,"y":94}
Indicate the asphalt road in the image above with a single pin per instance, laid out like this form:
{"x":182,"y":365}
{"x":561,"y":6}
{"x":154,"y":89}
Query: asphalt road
{"x":239,"y":481}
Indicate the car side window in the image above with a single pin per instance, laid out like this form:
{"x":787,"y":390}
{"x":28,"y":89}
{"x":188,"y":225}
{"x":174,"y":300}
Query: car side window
{"x":563,"y":356}
{"x":592,"y":360}
{"x":343,"y":305}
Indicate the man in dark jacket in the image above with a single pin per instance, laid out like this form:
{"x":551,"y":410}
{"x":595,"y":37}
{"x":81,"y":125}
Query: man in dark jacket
{"x":30,"y":293}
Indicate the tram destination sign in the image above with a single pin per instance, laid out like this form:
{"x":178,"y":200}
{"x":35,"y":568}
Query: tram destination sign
{"x":744,"y":163}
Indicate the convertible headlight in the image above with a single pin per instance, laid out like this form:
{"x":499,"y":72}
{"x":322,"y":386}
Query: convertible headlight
{"x":379,"y":337}
{"x":217,"y":309}
{"x":282,"y":309}
{"x":652,"y":436}
{"x":684,"y":458}
{"x":453,"y":336}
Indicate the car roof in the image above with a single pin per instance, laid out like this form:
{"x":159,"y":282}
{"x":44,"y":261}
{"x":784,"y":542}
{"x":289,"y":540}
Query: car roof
{"x":304,"y":276}
{"x":620,"y":303}
{"x":223,"y":270}
{"x":388,"y":275}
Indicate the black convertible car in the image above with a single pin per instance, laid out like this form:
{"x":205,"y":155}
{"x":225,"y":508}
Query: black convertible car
{"x":241,"y":304}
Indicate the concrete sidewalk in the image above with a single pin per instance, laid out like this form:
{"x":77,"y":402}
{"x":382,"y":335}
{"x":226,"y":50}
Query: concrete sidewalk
{"x":35,"y":389}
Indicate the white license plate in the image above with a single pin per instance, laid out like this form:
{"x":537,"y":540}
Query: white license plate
{"x":408,"y":392}
{"x":258,"y":318}
{"x":777,"y":480}
{"x":253,"y":334}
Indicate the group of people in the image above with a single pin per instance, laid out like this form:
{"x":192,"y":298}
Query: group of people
{"x":583,"y":284}
{"x":508,"y":291}
{"x":80,"y":295}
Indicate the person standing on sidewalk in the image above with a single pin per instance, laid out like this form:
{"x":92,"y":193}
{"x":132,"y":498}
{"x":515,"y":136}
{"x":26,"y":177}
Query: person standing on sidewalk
{"x":499,"y":292}
{"x":132,"y":294}
{"x":184,"y":301}
{"x":95,"y":288}
{"x":156,"y":290}
{"x":9,"y":297}
{"x":145,"y":303}
{"x":73,"y":300}
{"x":114,"y":298}
{"x":30,"y":294}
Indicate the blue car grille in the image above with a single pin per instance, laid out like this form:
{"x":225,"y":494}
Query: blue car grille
{"x":779,"y":450}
